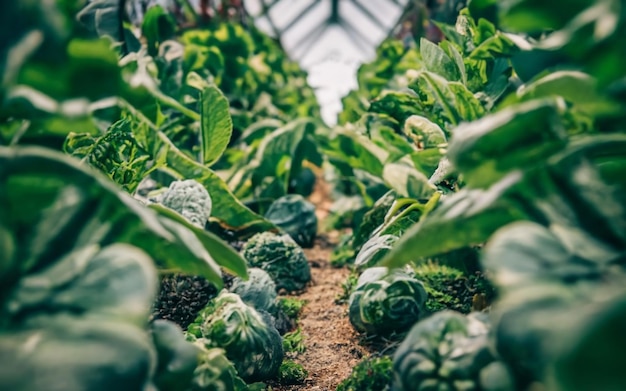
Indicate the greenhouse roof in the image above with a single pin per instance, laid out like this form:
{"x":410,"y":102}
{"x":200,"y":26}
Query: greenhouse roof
{"x":329,"y":38}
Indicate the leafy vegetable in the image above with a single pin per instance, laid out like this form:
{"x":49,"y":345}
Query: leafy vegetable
{"x":190,"y":199}
{"x":177,"y":357}
{"x":296,"y":216}
{"x":281,"y":257}
{"x":386,"y":301}
{"x":259,"y":291}
{"x":444,"y":351}
{"x":291,"y":372}
{"x":254,"y":346}
{"x":293,"y":341}
{"x":370,"y":374}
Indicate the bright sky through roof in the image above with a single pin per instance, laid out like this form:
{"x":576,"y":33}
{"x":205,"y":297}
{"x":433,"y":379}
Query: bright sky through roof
{"x":334,"y":57}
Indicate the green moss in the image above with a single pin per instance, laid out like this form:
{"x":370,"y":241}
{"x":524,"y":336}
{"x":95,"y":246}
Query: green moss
{"x":294,"y":341}
{"x":291,"y":372}
{"x":449,"y":288}
{"x":371,"y":374}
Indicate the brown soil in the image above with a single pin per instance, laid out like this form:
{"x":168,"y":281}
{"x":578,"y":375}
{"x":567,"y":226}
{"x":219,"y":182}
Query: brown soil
{"x":332,"y":345}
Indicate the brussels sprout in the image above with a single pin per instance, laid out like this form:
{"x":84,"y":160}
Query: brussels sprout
{"x":386,"y":302}
{"x":190,"y":199}
{"x":296,"y":216}
{"x":250,"y":343}
{"x":447,"y":351}
{"x":281,"y":257}
{"x":259,"y":291}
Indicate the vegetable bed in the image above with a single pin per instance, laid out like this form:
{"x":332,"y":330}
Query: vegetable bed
{"x":175,"y":216}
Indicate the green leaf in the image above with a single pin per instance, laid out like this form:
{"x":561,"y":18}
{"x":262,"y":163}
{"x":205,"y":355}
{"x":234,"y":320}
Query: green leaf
{"x":158,"y":25}
{"x":407,"y":181}
{"x":575,"y":87}
{"x":448,"y":102}
{"x":58,"y":205}
{"x":482,"y":212}
{"x":227,"y":257}
{"x":357,"y":151}
{"x":227,"y":209}
{"x":217,"y":125}
{"x":590,"y":359}
{"x":516,"y":137}
{"x":437,"y":61}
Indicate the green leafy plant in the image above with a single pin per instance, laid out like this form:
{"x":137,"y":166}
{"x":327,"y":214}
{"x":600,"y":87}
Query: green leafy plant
{"x":291,"y":372}
{"x":190,"y":199}
{"x":293,"y":341}
{"x":296,"y":216}
{"x":259,"y":290}
{"x":291,"y":306}
{"x":347,"y":287}
{"x":252,"y":344}
{"x":445,"y":350}
{"x":386,"y":301}
{"x":281,"y":257}
{"x":370,"y":374}
{"x":92,"y":244}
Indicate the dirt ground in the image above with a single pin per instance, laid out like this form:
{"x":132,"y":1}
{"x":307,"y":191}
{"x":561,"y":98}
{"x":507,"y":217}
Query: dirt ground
{"x":332,"y":345}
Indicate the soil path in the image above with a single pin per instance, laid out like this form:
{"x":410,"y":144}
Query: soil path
{"x":332,"y":347}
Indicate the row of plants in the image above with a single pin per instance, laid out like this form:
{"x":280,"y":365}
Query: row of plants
{"x":117,"y":149}
{"x":491,"y":157}
{"x":511,"y":131}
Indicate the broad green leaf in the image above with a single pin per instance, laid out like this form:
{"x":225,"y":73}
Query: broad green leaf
{"x":425,"y":134}
{"x":524,"y":253}
{"x":227,"y":257}
{"x":282,"y":142}
{"x":499,"y":45}
{"x":407,"y":181}
{"x":599,"y":203}
{"x":95,"y":353}
{"x":158,"y":25}
{"x":465,"y":218}
{"x":437,"y":61}
{"x":398,"y":105}
{"x":590,"y":357}
{"x":357,"y":151}
{"x":452,"y":51}
{"x":68,"y":206}
{"x":216,"y":124}
{"x":575,"y":87}
{"x":427,"y":161}
{"x":516,"y":137}
{"x":448,"y":102}
{"x":227,"y":209}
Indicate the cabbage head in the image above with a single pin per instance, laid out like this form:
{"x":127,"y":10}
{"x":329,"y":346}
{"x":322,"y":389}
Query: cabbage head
{"x":190,"y":199}
{"x":281,"y":257}
{"x":385,"y":302}
{"x":254,"y":347}
{"x":259,"y":291}
{"x":295,"y":216}
{"x":449,"y":351}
